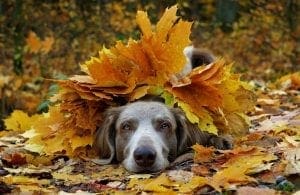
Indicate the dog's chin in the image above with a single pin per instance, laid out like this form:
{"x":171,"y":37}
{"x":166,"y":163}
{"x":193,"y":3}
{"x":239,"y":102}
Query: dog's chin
{"x":156,"y":167}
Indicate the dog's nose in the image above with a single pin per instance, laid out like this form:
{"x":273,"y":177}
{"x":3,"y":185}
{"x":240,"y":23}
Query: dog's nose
{"x":144,"y":156}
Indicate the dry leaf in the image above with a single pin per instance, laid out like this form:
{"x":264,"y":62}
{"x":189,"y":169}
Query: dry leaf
{"x":238,"y":166}
{"x":256,"y":191}
{"x":215,"y":99}
{"x":33,"y":42}
{"x":19,"y":121}
{"x":164,"y":184}
{"x":152,"y":60}
{"x":36,"y":45}
{"x":293,"y":161}
{"x":203,"y":154}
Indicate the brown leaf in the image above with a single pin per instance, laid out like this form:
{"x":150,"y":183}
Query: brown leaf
{"x":203,"y":154}
{"x":256,"y":191}
{"x":14,"y":159}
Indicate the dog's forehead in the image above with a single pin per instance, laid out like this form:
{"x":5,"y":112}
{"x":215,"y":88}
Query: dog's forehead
{"x":146,"y":110}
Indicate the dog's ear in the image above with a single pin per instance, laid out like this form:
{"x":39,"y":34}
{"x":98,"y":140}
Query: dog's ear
{"x":105,"y":137}
{"x":201,"y":57}
{"x":189,"y":134}
{"x":198,"y":56}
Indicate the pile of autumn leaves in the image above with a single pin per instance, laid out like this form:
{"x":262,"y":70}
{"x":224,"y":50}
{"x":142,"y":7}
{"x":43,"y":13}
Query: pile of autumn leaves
{"x":211,"y":96}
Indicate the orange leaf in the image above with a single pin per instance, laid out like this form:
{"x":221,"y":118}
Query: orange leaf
{"x":203,"y":154}
{"x":106,"y":73}
{"x":152,"y":60}
{"x":36,"y":45}
{"x":33,"y":42}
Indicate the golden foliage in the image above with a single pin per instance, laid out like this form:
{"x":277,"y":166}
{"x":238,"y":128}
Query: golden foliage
{"x":239,"y":162}
{"x":151,"y":61}
{"x":127,"y":72}
{"x":289,"y":81}
{"x":217,"y":97}
{"x":202,"y":154}
{"x":19,"y":121}
{"x":163,"y":184}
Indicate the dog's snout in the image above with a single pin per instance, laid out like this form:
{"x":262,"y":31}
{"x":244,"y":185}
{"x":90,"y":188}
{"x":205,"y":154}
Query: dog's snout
{"x":144,"y":156}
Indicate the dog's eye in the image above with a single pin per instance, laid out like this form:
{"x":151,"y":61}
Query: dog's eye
{"x":126,"y":126}
{"x":165,"y":125}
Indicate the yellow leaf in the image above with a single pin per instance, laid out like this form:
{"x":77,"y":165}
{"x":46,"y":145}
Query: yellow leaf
{"x":143,"y":21}
{"x":155,"y":185}
{"x":203,"y":91}
{"x":34,"y":148}
{"x":151,"y":60}
{"x":163,"y":184}
{"x":29,"y":133}
{"x":70,"y":178}
{"x":205,"y":121}
{"x":190,"y":115}
{"x":165,"y":23}
{"x":23,"y":180}
{"x":19,"y":121}
{"x":215,"y":99}
{"x":239,"y":165}
{"x":78,"y":141}
{"x":196,"y":182}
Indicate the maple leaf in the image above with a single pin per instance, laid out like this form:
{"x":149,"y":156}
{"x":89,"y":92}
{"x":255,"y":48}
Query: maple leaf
{"x":241,"y":162}
{"x":55,"y":133}
{"x":33,"y":42}
{"x":36,"y":45}
{"x":164,"y":184}
{"x":152,"y":60}
{"x":215,"y":98}
{"x":19,"y":121}
{"x":290,"y":81}
{"x":129,"y":71}
{"x":211,"y":96}
{"x":202,"y":154}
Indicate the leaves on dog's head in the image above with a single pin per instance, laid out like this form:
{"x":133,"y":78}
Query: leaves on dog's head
{"x":148,"y":61}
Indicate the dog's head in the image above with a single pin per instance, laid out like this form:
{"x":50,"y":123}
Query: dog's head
{"x":145,"y":136}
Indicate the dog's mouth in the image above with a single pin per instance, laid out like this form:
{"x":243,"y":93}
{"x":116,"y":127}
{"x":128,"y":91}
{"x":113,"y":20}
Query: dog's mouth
{"x":151,"y":169}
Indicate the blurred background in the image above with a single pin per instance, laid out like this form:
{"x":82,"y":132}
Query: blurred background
{"x":50,"y":38}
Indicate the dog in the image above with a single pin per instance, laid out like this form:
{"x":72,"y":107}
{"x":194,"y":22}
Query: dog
{"x":147,"y":135}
